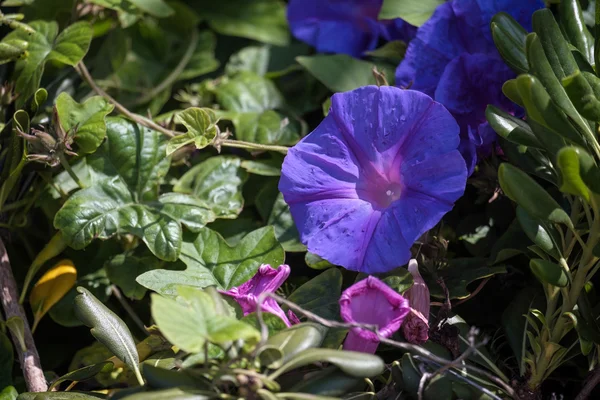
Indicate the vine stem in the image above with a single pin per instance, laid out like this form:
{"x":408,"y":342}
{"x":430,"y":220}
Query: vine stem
{"x":593,"y":381}
{"x":9,"y":296}
{"x":85,"y":74}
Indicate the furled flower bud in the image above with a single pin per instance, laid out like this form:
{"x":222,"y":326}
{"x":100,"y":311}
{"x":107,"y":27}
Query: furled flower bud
{"x":416,"y":324}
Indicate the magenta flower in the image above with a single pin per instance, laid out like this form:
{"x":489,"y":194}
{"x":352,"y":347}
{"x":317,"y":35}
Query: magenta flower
{"x":372,"y":302}
{"x":378,"y":172}
{"x":416,"y":325}
{"x":266,"y":280}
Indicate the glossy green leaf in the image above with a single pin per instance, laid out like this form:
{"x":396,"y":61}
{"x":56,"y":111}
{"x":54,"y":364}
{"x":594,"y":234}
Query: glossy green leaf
{"x":292,"y":341}
{"x":127,"y":169}
{"x":392,"y":52}
{"x":12,"y":50}
{"x":83,"y":374}
{"x":261,"y":20}
{"x":270,"y":167}
{"x":191,"y":321}
{"x":252,"y":58}
{"x":211,"y":261}
{"x":543,"y":234}
{"x":509,"y":37}
{"x":587,"y":336}
{"x":360,"y":365}
{"x":316,"y":262}
{"x":549,"y":272}
{"x":511,"y":128}
{"x":161,"y":378}
{"x":123,"y":269}
{"x":527,"y":193}
{"x":329,"y":382}
{"x":46,"y":44}
{"x":7,"y":358}
{"x":266,"y":127}
{"x":341,"y":73}
{"x":541,"y":109}
{"x":87,"y":120}
{"x":413,"y":12}
{"x":9,"y":393}
{"x":575,"y":29}
{"x":320,"y":295}
{"x":583,"y":88}
{"x":273,"y":323}
{"x":108,"y":329}
{"x":218,"y":183}
{"x":511,"y":90}
{"x":248,"y":92}
{"x":201,"y":125}
{"x":285,"y":228}
{"x":555,"y":46}
{"x":574,"y":163}
{"x":167,"y":394}
{"x":156,"y":8}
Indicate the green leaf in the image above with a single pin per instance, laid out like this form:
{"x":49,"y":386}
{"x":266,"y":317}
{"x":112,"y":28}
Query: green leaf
{"x":248,"y":92}
{"x":575,"y":29}
{"x":190,"y":321}
{"x":123,"y":269}
{"x":218,"y":183}
{"x":7,"y":358}
{"x":549,"y":272}
{"x":285,"y":228}
{"x":360,"y":365}
{"x":16,"y":157}
{"x":252,"y":58}
{"x":201,"y":125}
{"x":261,"y":20}
{"x":211,"y":261}
{"x":415,"y":12}
{"x":45,"y":44}
{"x":341,"y":73}
{"x":555,"y":46}
{"x":320,"y":295}
{"x":86,"y":119}
{"x":108,"y":329}
{"x":577,"y":170}
{"x":509,"y":37}
{"x":543,"y":234}
{"x":527,"y":193}
{"x":124,"y":197}
{"x":9,"y":393}
{"x":316,"y":262}
{"x":156,"y":8}
{"x":583,"y":88}
{"x":266,"y":127}
{"x":331,"y":382}
{"x":271,"y":167}
{"x":460,"y":272}
{"x":292,"y":341}
{"x":391,"y":51}
{"x":60,"y":396}
{"x":83,"y":374}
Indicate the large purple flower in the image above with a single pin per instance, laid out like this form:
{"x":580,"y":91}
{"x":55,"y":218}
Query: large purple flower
{"x":344,"y":26}
{"x":453,"y":59}
{"x":372,"y":302}
{"x":266,"y":280}
{"x":378,"y":172}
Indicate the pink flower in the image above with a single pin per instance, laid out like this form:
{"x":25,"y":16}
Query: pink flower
{"x":372,"y":302}
{"x":266,"y":280}
{"x":416,"y":325}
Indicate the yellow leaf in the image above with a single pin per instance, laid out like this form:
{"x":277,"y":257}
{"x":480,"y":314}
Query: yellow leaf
{"x":51,"y":287}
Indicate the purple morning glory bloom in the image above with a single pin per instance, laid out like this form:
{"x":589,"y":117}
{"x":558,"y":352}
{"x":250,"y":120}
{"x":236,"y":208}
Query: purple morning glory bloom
{"x":344,"y":26}
{"x":379,"y":171}
{"x":372,"y":302}
{"x":267,"y":280}
{"x":454,"y":60}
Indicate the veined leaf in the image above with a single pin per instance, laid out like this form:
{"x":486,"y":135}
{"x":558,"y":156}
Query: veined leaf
{"x":87,"y":119}
{"x":83,"y":374}
{"x":108,"y":329}
{"x":51,"y":287}
{"x":201,"y":125}
{"x":46,"y":44}
{"x":212,"y":262}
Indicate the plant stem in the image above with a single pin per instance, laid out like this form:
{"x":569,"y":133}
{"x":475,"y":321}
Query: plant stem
{"x":85,"y":74}
{"x":65,"y":164}
{"x":29,"y":359}
{"x":592,"y":382}
{"x":117,"y":293}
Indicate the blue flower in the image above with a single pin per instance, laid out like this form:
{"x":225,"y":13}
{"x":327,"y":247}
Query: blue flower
{"x":379,"y":171}
{"x":344,"y":26}
{"x":453,"y":59}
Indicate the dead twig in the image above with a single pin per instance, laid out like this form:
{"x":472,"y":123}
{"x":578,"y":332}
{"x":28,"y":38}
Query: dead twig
{"x":28,"y":357}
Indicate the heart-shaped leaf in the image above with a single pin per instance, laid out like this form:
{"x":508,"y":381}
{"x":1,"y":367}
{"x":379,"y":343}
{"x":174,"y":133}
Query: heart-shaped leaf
{"x":201,"y":125}
{"x":211,"y":261}
{"x":125,"y":199}
{"x":87,"y":119}
{"x":320,"y":295}
{"x":46,"y":44}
